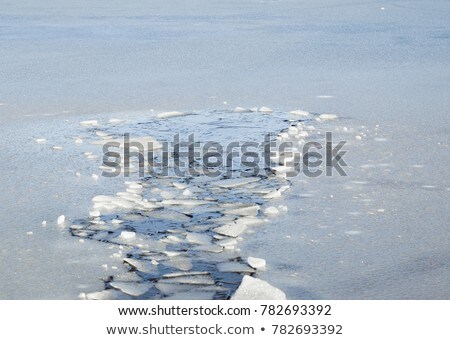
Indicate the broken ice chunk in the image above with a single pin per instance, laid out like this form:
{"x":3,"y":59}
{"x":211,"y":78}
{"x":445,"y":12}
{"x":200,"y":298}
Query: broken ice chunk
{"x":213,"y":248}
{"x":189,"y":279}
{"x":234,"y":267}
{"x":273,"y":194}
{"x":189,"y":203}
{"x":257,"y":289}
{"x":89,"y":123}
{"x":250,"y":221}
{"x":61,"y":219}
{"x":232,"y":230}
{"x":115,"y":121}
{"x":127,"y":235}
{"x":180,"y":186}
{"x":256,"y":262}
{"x":141,"y":265}
{"x":192,"y":295}
{"x":240,"y":110}
{"x":132,"y":288}
{"x":244,"y":211}
{"x":108,"y":294}
{"x":327,"y":116}
{"x":235,"y":182}
{"x":227,"y":243}
{"x":94,"y":213}
{"x":271,"y":211}
{"x":198,"y":238}
{"x":179,"y":262}
{"x":177,"y":274}
{"x":265,"y":109}
{"x":170,"y":114}
{"x":300,"y":113}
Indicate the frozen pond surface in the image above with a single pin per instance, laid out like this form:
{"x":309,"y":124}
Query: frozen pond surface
{"x":381,"y":232}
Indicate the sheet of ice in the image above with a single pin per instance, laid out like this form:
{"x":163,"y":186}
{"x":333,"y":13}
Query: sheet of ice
{"x":367,"y":87}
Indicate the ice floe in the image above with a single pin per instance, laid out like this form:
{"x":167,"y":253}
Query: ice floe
{"x":240,"y":110}
{"x":300,"y":113}
{"x":232,"y":230}
{"x":132,"y":288}
{"x":256,"y":262}
{"x":235,"y":267}
{"x":265,"y":109}
{"x":256,"y":289}
{"x":198,"y":238}
{"x":235,"y":182}
{"x":170,"y":114}
{"x":61,"y":219}
{"x":271,"y":211}
{"x":127,"y":235}
{"x":89,"y":123}
{"x":328,"y":116}
{"x":116,"y":121}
